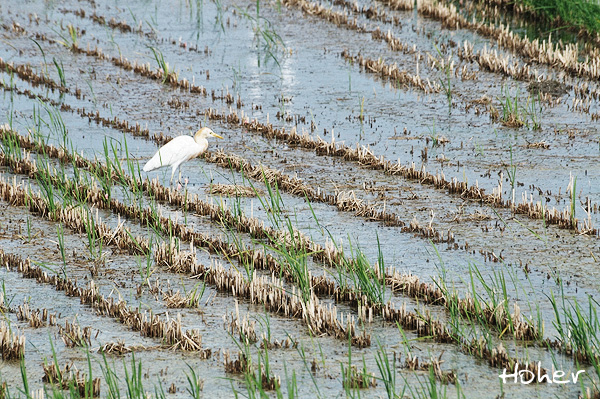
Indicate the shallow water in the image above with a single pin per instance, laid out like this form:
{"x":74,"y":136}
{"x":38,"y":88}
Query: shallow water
{"x":331,"y":98}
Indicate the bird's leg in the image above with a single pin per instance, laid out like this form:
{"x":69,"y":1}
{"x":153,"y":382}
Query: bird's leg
{"x":178,"y":180}
{"x":172,"y":174}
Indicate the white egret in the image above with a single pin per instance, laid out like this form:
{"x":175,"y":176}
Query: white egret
{"x":180,"y":150}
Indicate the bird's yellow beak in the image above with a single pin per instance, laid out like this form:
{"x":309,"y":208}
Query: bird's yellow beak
{"x":216,"y":135}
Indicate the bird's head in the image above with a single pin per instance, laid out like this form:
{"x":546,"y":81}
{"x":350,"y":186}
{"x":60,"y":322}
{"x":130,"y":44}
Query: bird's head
{"x":205,"y":133}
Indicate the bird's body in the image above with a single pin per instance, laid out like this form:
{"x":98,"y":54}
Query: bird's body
{"x":180,"y":150}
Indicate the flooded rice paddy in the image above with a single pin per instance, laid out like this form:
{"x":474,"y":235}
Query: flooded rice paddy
{"x":405,"y":202}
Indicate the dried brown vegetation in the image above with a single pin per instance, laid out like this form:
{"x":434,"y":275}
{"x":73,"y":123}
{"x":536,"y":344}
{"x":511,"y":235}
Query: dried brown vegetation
{"x":36,"y":318}
{"x":446,"y":377}
{"x":148,"y":324}
{"x":240,"y":326}
{"x":235,"y":190}
{"x":392,"y":73}
{"x":468,"y":192}
{"x":356,"y":379}
{"x":169,"y":256}
{"x":272,"y":292}
{"x":12,"y":344}
{"x":68,"y":379}
{"x":238,"y":366}
{"x":73,"y":334}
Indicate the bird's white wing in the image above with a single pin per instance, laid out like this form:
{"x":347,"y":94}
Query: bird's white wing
{"x":176,"y":151}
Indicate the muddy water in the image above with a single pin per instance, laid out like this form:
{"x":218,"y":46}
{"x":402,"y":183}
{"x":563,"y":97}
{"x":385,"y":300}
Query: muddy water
{"x":313,"y":83}
{"x":392,"y":247}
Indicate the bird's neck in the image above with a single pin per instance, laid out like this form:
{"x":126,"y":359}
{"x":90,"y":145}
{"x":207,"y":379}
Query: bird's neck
{"x":200,"y":139}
